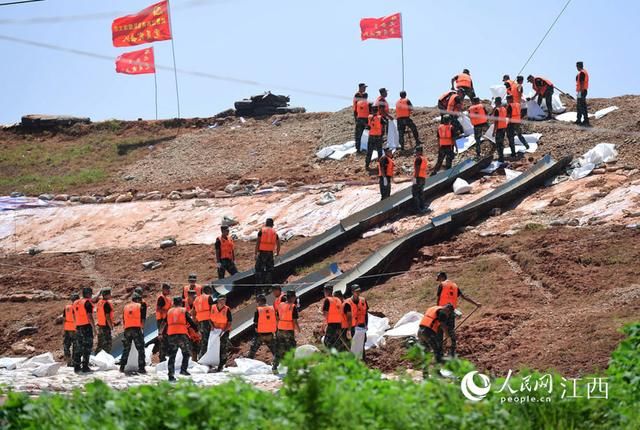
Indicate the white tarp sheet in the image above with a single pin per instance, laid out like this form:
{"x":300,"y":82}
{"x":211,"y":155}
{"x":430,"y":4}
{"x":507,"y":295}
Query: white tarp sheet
{"x":460,"y":186}
{"x":406,"y":326}
{"x":212,"y":357}
{"x":132,"y":361}
{"x":573,"y":116}
{"x":247,"y":366}
{"x":375,"y":331}
{"x":337,"y":152}
{"x":601,"y":153}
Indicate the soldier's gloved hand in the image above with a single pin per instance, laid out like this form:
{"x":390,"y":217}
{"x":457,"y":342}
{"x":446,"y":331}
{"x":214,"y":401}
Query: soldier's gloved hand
{"x":348,"y":334}
{"x":219,"y":265}
{"x":385,"y":181}
{"x":414,"y":181}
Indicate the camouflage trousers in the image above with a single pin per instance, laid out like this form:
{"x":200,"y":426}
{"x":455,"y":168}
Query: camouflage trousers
{"x":285,"y":340}
{"x":162,"y":343}
{"x":431,"y":340}
{"x":68,"y":343}
{"x":224,"y":349}
{"x":176,"y":341}
{"x":132,"y":335}
{"x":268,"y":339}
{"x":83,"y":346}
{"x":104,"y":339}
{"x":264,"y":271}
{"x":334,"y":337}
{"x":204,"y":328}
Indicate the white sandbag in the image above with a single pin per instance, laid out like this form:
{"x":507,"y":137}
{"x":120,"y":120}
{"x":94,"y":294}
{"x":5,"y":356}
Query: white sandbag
{"x":376,"y":327}
{"x":465,"y":122}
{"x":511,"y":174}
{"x":357,"y":342}
{"x":460,"y":186}
{"x":498,"y":91}
{"x":248,"y":366}
{"x":408,"y":325}
{"x":305,"y":351}
{"x":212,"y":357}
{"x":341,"y":153}
{"x":103,"y":361}
{"x":325,"y":152}
{"x":132,"y":361}
{"x":49,"y":369}
{"x":46,"y":358}
{"x":556,"y":104}
{"x":393,"y":137}
{"x":10,"y":363}
{"x":602,"y":112}
{"x":364,"y":140}
{"x":534,"y":111}
{"x":582,"y":171}
{"x":601,"y":153}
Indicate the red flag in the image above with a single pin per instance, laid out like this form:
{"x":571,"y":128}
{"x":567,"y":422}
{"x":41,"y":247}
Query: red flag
{"x":387,"y":27}
{"x":136,"y":62}
{"x":148,"y":25}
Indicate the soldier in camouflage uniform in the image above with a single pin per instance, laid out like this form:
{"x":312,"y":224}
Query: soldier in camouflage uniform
{"x":133,"y":321}
{"x":287,"y":326}
{"x":264,"y":320}
{"x":104,"y":322}
{"x":69,"y":331}
{"x":83,"y":314}
{"x":178,"y":319}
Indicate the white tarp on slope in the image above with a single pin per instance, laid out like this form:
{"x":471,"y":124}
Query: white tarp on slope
{"x":406,"y":326}
{"x":357,"y":342}
{"x":573,"y":116}
{"x":601,"y":153}
{"x":393,"y":139}
{"x":337,"y":152}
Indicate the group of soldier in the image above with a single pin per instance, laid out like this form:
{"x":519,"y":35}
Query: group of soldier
{"x":506,"y":117}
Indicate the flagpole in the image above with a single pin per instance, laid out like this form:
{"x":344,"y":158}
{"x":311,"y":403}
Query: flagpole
{"x":173,"y":53}
{"x":402,"y":49}
{"x":155,"y":84}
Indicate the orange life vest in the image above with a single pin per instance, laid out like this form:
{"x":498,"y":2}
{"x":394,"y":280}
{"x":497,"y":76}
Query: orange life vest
{"x":454,"y":104}
{"x":362,"y":109}
{"x":478,"y":114}
{"x":430,"y":318}
{"x":445,"y":133}
{"x":335,"y":310}
{"x":285,"y":316}
{"x":344,"y":323}
{"x":177,"y":321}
{"x":542,"y":88}
{"x":202,"y":307}
{"x":267,"y":322}
{"x":422,"y":173}
{"x":443,"y":100}
{"x":226,"y":248}
{"x":581,"y":86}
{"x":69,"y":323}
{"x":102,"y":317}
{"x":186,"y":288}
{"x":403,"y":110}
{"x":515,"y":113}
{"x":219,"y":317}
{"x":356,"y":98}
{"x":80,"y":313}
{"x":502,"y":117}
{"x":383,"y":106}
{"x":375,"y":125}
{"x":448,"y":294}
{"x":358,"y":311}
{"x":161,"y":313}
{"x":463,"y":80}
{"x":267,"y":239}
{"x":132,"y":315}
{"x":390,"y":167}
{"x":515,"y":92}
{"x":193,"y":334}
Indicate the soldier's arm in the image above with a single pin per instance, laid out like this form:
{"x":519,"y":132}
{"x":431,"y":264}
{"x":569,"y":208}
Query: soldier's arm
{"x":277,"y":245}
{"x":190,"y":321}
{"x":110,"y":322}
{"x":229,"y":320}
{"x":258,"y":242}
{"x":469,"y":299}
{"x":295,"y":320}
{"x":217,"y":248}
{"x":453,"y":80}
{"x":143,"y":313}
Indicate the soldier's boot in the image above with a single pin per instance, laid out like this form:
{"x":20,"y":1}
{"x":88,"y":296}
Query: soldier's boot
{"x":185,"y":373}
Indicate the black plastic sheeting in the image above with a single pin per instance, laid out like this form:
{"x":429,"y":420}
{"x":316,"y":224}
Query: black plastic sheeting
{"x":373,"y":269}
{"x":354,"y":225}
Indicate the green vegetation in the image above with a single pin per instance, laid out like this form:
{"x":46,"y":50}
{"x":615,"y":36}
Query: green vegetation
{"x":52,"y":166}
{"x":323,"y":392}
{"x":532,"y":226}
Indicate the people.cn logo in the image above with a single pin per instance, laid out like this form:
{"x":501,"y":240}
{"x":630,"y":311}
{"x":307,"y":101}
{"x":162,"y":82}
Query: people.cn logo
{"x":472,"y":391}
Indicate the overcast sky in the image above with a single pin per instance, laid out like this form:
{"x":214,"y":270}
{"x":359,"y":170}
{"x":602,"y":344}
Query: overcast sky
{"x":305,"y":49}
